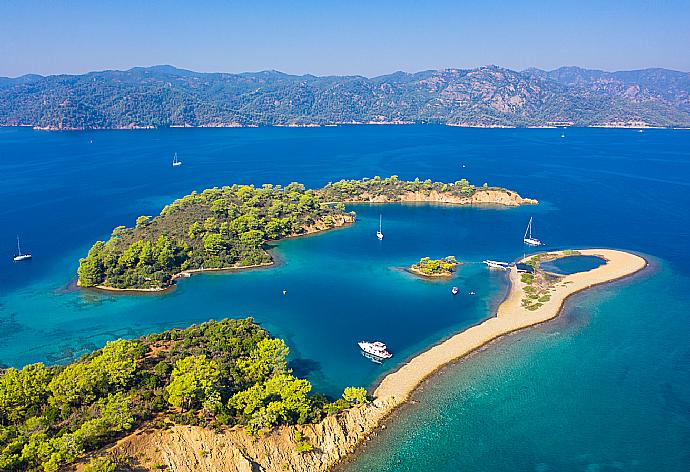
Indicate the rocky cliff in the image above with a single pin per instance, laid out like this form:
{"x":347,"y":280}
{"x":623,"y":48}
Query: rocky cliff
{"x":488,"y":196}
{"x":197,"y":449}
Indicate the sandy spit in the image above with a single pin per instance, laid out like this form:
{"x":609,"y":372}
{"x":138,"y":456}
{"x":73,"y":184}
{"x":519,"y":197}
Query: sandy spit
{"x":396,"y":387}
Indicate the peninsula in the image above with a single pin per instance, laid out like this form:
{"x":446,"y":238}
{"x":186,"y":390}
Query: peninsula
{"x":228,"y":228}
{"x":183,"y":448}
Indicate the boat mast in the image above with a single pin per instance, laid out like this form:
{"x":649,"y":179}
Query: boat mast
{"x":529,"y":229}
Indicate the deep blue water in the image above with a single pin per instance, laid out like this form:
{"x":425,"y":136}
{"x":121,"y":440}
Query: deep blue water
{"x":572,"y":264}
{"x":605,"y":388}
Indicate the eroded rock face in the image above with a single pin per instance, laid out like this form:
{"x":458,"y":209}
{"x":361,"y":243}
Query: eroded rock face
{"x":194,"y":448}
{"x":480,"y":197}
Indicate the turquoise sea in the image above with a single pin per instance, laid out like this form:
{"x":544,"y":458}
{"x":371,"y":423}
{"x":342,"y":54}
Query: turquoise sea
{"x":605,"y":387}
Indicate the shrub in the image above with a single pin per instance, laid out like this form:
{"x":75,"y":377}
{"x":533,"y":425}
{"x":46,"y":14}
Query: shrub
{"x":302,"y":444}
{"x":100,"y":464}
{"x":527,"y":279}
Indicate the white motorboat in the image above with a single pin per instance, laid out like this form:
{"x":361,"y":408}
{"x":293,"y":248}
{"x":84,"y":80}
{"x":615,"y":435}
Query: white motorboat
{"x":375,"y":350}
{"x":496,"y":265}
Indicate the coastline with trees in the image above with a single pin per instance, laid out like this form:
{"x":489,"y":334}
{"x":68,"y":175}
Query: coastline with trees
{"x":216,"y":375}
{"x":229,"y":228}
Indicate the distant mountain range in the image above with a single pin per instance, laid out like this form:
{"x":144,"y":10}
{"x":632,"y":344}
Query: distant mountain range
{"x":485,"y":96}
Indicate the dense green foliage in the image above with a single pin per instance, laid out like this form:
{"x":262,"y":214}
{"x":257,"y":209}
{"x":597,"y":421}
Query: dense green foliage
{"x":486,"y":96}
{"x":217,"y":228}
{"x":391,"y":188}
{"x":355,"y":395}
{"x":229,"y":227}
{"x":216,"y":373}
{"x":428,"y":266}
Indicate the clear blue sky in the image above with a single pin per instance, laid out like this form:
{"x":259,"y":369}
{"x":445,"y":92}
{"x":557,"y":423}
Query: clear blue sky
{"x":345,"y":37}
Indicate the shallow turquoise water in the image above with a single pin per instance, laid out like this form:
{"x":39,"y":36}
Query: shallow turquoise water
{"x":602,"y":389}
{"x":572,"y":264}
{"x":606,"y":388}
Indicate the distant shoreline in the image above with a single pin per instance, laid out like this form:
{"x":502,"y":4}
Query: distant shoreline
{"x":327,"y":125}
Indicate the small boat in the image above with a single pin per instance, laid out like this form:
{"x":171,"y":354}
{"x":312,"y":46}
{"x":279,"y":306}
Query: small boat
{"x":563,"y":134}
{"x":379,"y":233}
{"x":454,"y":290}
{"x":176,"y":162}
{"x":496,"y":265}
{"x":375,"y":351}
{"x":472,"y":293}
{"x":640,"y":131}
{"x":528,"y":239}
{"x":20,"y":256}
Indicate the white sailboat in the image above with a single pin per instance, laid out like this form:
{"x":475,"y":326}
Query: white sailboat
{"x":379,"y":233}
{"x":176,"y":162}
{"x":528,"y":239}
{"x":20,"y":256}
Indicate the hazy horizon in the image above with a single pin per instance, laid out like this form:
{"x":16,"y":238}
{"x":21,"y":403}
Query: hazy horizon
{"x":368,"y":39}
{"x":330,"y":75}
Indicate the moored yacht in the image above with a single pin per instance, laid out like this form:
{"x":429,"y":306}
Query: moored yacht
{"x":20,"y":256}
{"x":528,"y":239}
{"x":176,"y":162}
{"x":496,"y":265}
{"x":375,"y":351}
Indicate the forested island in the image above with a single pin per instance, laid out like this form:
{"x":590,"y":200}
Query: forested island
{"x":229,"y":227}
{"x":217,"y":374}
{"x":427,"y":267}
